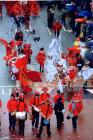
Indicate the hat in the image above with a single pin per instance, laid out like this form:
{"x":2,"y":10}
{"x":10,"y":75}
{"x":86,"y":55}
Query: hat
{"x":77,"y":39}
{"x":37,"y":93}
{"x":45,"y":89}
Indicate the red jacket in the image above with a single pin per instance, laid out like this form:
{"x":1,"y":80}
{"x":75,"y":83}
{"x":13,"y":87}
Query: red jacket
{"x":57,"y":96}
{"x":46,"y":111}
{"x":45,"y":96}
{"x":57,"y":26}
{"x":12,"y":105}
{"x":75,"y":110}
{"x":35,"y":100}
{"x":22,"y":106}
{"x":40,"y":58}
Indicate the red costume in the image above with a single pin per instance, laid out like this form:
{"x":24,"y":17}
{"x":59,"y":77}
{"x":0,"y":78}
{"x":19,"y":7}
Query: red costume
{"x":35,"y":9}
{"x":35,"y":100}
{"x":57,"y":96}
{"x":57,"y":26}
{"x":40,"y":58}
{"x":22,"y":106}
{"x":46,"y":109}
{"x":12,"y":105}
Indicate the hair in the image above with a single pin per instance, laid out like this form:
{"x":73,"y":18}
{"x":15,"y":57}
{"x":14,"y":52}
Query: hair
{"x":58,"y":91}
{"x":41,"y":49}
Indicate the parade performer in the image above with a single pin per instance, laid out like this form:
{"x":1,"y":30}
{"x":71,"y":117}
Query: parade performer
{"x":45,"y":95}
{"x":59,"y":95}
{"x":46,"y":110}
{"x":12,"y":108}
{"x":72,"y":71}
{"x":55,"y":49}
{"x":59,"y":109}
{"x":28,"y":52}
{"x":73,"y":113}
{"x":34,"y":103}
{"x":35,"y":9}
{"x":22,"y":107}
{"x":57,"y":26}
{"x":50,"y":69}
{"x":40,"y":58}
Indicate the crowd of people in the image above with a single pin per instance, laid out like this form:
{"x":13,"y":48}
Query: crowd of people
{"x":60,"y":69}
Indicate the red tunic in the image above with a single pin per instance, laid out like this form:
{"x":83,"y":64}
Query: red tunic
{"x":40,"y":58}
{"x":57,"y":26}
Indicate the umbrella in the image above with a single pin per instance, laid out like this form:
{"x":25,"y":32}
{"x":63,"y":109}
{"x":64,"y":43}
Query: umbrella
{"x":85,"y":13}
{"x":90,"y":43}
{"x":74,"y":49}
{"x":80,"y":20}
{"x":70,"y":7}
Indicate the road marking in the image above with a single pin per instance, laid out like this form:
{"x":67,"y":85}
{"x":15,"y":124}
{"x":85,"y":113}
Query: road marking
{"x":49,"y":31}
{"x":90,"y":90}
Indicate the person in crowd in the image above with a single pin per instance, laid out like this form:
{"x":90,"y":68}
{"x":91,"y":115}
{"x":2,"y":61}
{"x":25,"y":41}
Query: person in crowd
{"x":12,"y":108}
{"x":50,"y":16}
{"x":59,"y":108}
{"x":40,"y":58}
{"x":28,"y":52}
{"x":46,"y":110}
{"x":80,"y":62}
{"x":22,"y":107}
{"x":57,"y":26}
{"x":73,"y":113}
{"x":45,"y":95}
{"x":59,"y":95}
{"x":34,"y":103}
{"x":19,"y":35}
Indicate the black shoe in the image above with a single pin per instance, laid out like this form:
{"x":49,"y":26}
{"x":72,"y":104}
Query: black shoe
{"x":9,"y":127}
{"x":38,"y":136}
{"x":13,"y":129}
{"x":38,"y":38}
{"x":49,"y":134}
{"x":36,"y":126}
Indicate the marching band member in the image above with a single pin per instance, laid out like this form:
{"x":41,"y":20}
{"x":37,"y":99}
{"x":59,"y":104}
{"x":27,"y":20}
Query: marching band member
{"x":50,"y":69}
{"x":45,"y":95}
{"x":73,"y":113}
{"x":59,"y":107}
{"x":12,"y":107}
{"x":22,"y":107}
{"x":40,"y":58}
{"x":57,"y":26}
{"x":46,"y":112}
{"x":34,"y":102}
{"x":59,"y":95}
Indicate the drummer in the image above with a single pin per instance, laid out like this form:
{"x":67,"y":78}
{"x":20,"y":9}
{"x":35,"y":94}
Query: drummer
{"x":46,"y":110}
{"x":34,"y":103}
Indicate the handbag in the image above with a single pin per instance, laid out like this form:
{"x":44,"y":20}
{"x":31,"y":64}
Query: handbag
{"x":46,"y":122}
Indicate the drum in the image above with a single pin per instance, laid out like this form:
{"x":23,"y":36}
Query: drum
{"x":21,"y":115}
